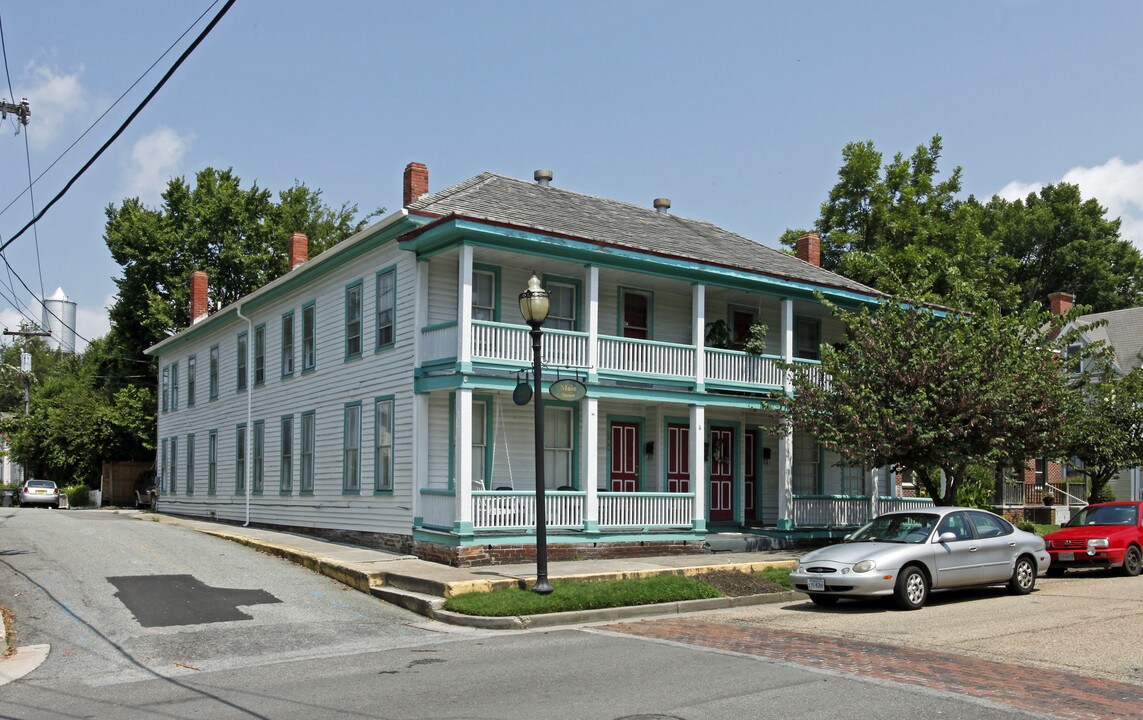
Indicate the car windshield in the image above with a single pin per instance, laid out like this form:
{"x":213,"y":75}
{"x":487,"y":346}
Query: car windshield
{"x":41,"y":483}
{"x":897,"y":527}
{"x":1106,"y":515}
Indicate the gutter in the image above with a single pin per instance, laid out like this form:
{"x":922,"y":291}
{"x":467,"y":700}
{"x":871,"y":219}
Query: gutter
{"x":249,"y":408}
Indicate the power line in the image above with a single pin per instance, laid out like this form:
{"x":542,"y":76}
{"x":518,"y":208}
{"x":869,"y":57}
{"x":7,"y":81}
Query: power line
{"x":186,"y":53}
{"x":109,"y":108}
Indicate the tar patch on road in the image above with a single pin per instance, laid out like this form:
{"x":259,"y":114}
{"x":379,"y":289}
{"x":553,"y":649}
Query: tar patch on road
{"x":165,"y":600}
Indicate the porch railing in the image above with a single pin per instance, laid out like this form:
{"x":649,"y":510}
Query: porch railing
{"x":1025,"y":494}
{"x":498,"y":510}
{"x":646,"y":357}
{"x":848,"y":510}
{"x":516,"y":509}
{"x":737,"y":367}
{"x":647,"y":510}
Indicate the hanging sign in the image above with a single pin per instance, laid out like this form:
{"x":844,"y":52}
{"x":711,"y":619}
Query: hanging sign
{"x":522,"y":394}
{"x":568,"y":390}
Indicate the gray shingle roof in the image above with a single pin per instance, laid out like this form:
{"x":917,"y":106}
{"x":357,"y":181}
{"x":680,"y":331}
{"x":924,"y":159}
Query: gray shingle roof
{"x":507,"y":200}
{"x":1124,"y":332}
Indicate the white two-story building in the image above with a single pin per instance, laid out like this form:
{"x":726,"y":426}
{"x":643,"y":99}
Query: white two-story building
{"x":371,"y":394}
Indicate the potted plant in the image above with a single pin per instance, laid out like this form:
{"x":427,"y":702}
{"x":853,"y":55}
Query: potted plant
{"x":1049,"y":500}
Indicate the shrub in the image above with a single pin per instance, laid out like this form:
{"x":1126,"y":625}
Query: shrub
{"x":78,"y":495}
{"x":1026,"y":525}
{"x":1106,"y":494}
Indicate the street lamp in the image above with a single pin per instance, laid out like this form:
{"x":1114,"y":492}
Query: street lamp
{"x":534,"y":303}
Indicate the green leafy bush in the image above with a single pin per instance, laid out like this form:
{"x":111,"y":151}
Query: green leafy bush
{"x":1026,"y":525}
{"x":78,"y":495}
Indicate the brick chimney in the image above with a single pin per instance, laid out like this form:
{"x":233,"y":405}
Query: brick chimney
{"x":416,"y":182}
{"x":810,"y":248}
{"x":299,"y":249}
{"x":199,"y":306}
{"x":1060,"y":302}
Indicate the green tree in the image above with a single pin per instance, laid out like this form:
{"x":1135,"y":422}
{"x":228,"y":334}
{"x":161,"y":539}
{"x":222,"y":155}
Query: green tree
{"x":1059,"y":241}
{"x":1105,"y":431}
{"x":898,"y":228}
{"x":238,"y":235}
{"x":936,"y":393}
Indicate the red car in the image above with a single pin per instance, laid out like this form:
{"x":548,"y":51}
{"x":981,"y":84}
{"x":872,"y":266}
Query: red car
{"x":1105,"y":535}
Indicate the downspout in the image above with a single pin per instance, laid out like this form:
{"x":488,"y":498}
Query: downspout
{"x":249,"y":409}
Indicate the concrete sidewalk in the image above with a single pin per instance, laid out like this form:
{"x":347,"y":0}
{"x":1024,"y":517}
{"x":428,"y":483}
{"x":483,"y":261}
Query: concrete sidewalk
{"x":422,"y":586}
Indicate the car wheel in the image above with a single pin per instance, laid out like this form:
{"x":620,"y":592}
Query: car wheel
{"x":1023,"y":576}
{"x":824,"y":600}
{"x":912,"y":588}
{"x":1132,"y":562}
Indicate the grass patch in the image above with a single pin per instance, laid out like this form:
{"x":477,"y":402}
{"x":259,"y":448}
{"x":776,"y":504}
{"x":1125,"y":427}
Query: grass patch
{"x":1045,"y":529}
{"x":582,"y":596}
{"x":780,"y":575}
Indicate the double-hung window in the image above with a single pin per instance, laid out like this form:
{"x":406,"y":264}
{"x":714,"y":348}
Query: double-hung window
{"x":557,"y":447}
{"x":175,"y":386}
{"x":165,"y":390}
{"x":480,"y":463}
{"x":562,"y":306}
{"x":242,"y":357}
{"x":260,"y":355}
{"x":386,"y":308}
{"x":309,"y":336}
{"x":353,"y":320}
{"x":288,"y":344}
{"x":259,"y":457}
{"x":807,"y":464}
{"x":240,"y":460}
{"x":213,"y":373}
{"x":192,"y":371}
{"x":308,"y":438}
{"x":484,"y":295}
{"x":807,"y":338}
{"x":351,"y":449}
{"x":174,"y":466}
{"x":190,"y":464}
{"x":212,"y":462}
{"x":286,"y":462}
{"x":383,"y":431}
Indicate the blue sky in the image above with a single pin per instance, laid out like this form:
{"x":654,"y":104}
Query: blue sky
{"x":736,"y":111}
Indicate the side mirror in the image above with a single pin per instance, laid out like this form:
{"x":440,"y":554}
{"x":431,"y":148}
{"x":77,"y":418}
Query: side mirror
{"x":946,"y":537}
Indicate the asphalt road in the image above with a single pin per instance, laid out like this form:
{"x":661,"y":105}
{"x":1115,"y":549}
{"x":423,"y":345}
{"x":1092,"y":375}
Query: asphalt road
{"x":138,"y":616}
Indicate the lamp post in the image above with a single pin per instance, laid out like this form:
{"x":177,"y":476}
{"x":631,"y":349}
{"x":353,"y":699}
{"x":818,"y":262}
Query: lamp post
{"x":534,"y":304}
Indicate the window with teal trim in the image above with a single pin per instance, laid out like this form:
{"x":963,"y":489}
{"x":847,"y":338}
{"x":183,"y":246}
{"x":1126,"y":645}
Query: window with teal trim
{"x":259,"y":457}
{"x":260,"y":355}
{"x":483,"y":295}
{"x":212,"y":462}
{"x":174,"y":466}
{"x":164,"y":464}
{"x":212,"y":380}
{"x":353,"y":320}
{"x":165,"y":390}
{"x":190,"y":464}
{"x":563,"y":306}
{"x":288,"y":344}
{"x":309,"y":336}
{"x":807,"y":338}
{"x":175,"y":386}
{"x":309,"y":437}
{"x":240,"y":459}
{"x":480,"y":445}
{"x":241,"y":357}
{"x":807,"y":464}
{"x":286,"y":461}
{"x":386,"y":309}
{"x":351,"y":449}
{"x":558,"y":441}
{"x":192,"y":372}
{"x":383,"y":458}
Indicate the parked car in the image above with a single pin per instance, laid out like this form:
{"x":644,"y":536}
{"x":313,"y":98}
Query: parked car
{"x":1104,"y":535}
{"x":40,"y":492}
{"x":907,"y":554}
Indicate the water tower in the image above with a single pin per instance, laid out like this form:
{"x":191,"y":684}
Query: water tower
{"x":58,"y":318}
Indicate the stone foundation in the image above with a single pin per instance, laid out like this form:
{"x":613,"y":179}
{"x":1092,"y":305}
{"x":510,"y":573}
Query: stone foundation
{"x":483,"y":555}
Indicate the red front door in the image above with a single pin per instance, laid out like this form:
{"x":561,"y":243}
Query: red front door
{"x":624,"y":457}
{"x":750,"y":478}
{"x":721,"y":473}
{"x":678,"y":458}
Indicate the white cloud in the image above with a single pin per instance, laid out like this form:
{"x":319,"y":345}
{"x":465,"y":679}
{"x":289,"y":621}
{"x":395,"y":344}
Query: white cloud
{"x":1114,"y":184}
{"x":56,"y":101}
{"x":92,"y":322}
{"x":154,"y":159}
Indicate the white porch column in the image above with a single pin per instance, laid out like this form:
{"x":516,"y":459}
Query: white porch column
{"x":873,"y":493}
{"x":698,"y":465}
{"x":591,"y":290}
{"x":787,"y":340}
{"x":589,"y":434}
{"x":420,"y":309}
{"x":420,"y":450}
{"x":464,"y":309}
{"x":462,"y":460}
{"x":786,"y":481}
{"x":698,"y":334}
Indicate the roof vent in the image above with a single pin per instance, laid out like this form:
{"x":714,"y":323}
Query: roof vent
{"x":543,"y":177}
{"x":662,"y":204}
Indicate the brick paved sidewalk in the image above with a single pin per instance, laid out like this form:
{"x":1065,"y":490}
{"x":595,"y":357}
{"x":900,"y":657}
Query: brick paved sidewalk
{"x":1050,"y":692}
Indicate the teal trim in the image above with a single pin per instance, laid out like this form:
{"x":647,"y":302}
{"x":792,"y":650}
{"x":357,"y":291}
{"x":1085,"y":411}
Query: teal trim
{"x":242,"y":372}
{"x":389,"y":272}
{"x":577,"y":286}
{"x":478,"y":234}
{"x":354,"y":342}
{"x":785,"y":524}
{"x":638,"y":421}
{"x":309,"y":336}
{"x":287,"y":344}
{"x":379,"y":487}
{"x":259,"y":354}
{"x":497,"y":299}
{"x":623,"y":291}
{"x":350,"y":477}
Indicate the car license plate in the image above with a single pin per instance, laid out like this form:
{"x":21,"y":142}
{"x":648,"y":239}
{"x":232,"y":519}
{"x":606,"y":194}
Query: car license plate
{"x":817,"y":584}
{"x":1066,"y":557}
{"x":41,"y":492}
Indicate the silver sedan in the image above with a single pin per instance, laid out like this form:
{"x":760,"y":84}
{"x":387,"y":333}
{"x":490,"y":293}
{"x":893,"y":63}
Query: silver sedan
{"x":907,"y":554}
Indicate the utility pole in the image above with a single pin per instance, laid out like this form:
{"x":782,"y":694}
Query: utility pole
{"x":22,"y":111}
{"x":26,"y":369}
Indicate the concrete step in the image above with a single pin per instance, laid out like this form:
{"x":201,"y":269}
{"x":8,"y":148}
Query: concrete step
{"x":743,"y":542}
{"x":420,"y":603}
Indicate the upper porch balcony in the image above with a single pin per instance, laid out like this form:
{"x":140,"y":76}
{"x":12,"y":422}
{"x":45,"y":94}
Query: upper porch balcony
{"x":492,"y":344}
